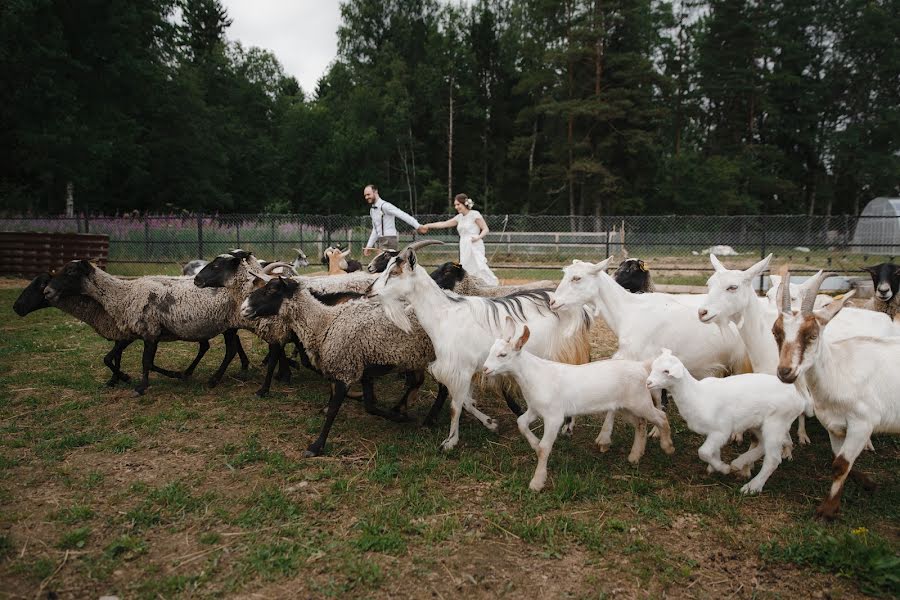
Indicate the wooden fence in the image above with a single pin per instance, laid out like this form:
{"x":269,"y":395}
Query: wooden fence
{"x":27,"y":254}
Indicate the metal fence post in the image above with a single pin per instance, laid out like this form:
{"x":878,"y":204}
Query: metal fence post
{"x":762,"y":249}
{"x":607,"y":240}
{"x":87,"y":227}
{"x":272,"y":229}
{"x":237,"y":232}
{"x":200,"y":236}
{"x":146,"y":237}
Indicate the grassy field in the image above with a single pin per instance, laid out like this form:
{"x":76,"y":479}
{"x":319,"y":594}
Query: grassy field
{"x":192,"y":492}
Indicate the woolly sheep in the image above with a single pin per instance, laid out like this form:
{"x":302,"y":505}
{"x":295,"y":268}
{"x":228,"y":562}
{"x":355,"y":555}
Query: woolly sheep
{"x":634,"y":276}
{"x":886,"y":281}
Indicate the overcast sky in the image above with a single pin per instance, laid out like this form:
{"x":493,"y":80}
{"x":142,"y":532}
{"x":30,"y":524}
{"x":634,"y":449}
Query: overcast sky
{"x":302,"y":34}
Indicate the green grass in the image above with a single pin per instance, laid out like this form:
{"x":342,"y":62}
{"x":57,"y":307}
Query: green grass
{"x":192,"y":492}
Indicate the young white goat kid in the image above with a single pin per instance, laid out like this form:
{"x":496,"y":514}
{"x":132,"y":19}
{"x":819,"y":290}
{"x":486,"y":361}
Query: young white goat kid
{"x":720,"y":408}
{"x":853,"y":382}
{"x":555,"y":391}
{"x":645,"y":323}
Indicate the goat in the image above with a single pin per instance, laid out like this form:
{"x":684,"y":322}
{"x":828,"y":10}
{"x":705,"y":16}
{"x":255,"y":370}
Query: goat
{"x":555,"y":391}
{"x":380,"y":261}
{"x":853,"y":382}
{"x":300,"y":260}
{"x":153,"y":309}
{"x":634,"y":276}
{"x":452,"y":276}
{"x":346,"y":343}
{"x":464,"y":328}
{"x":886,"y":281}
{"x":193,"y":267}
{"x":347,"y":265}
{"x":645,"y":323}
{"x":721,"y":408}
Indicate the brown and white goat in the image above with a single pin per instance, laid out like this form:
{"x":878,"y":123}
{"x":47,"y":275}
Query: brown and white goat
{"x":853,"y":382}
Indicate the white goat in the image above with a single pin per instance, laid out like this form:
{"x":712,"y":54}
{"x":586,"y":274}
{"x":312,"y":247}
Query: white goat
{"x":853,"y":382}
{"x":463,"y":329}
{"x":732,"y":300}
{"x":720,"y":408}
{"x":646,"y":323}
{"x":555,"y":391}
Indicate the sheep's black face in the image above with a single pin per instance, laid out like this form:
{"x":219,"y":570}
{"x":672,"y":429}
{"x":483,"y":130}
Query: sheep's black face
{"x":69,"y":281}
{"x":218,"y":272}
{"x":32,"y":297}
{"x":448,"y":275}
{"x":380,"y":262}
{"x":633,"y":275}
{"x":886,"y":279}
{"x":267,"y":300}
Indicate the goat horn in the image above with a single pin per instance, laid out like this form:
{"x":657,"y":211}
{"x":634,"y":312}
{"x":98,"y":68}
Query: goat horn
{"x":810,"y":289}
{"x":421,"y":244}
{"x":272,"y":266}
{"x":784,"y":292}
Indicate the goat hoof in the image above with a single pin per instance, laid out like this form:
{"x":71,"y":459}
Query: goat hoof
{"x":309,"y":453}
{"x":803,"y":439}
{"x":491,"y":424}
{"x":603,"y":446}
{"x":634,"y":459}
{"x":138,"y":392}
{"x":654,"y":432}
{"x":748,"y":489}
{"x":448,"y":445}
{"x":536,"y":486}
{"x":825,"y":513}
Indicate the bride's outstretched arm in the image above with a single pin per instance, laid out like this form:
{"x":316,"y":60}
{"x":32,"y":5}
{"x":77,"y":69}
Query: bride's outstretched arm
{"x":442,"y":224}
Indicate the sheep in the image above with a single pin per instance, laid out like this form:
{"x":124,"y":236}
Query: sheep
{"x":347,"y":265}
{"x":463,"y":328}
{"x":634,"y":276}
{"x":452,"y":276}
{"x":92,"y":313}
{"x":193,"y":267}
{"x":853,"y":382}
{"x":645,"y":323}
{"x":346,"y":343}
{"x":721,"y":408}
{"x":153,"y":309}
{"x":555,"y":391}
{"x":886,"y":281}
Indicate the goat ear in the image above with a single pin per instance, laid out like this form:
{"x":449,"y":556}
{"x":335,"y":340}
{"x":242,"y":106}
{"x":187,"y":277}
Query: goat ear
{"x":345,"y":252}
{"x":509,"y":328}
{"x":676,"y":370}
{"x":830,"y":310}
{"x":873,"y":269}
{"x":774,"y":280}
{"x":523,"y":339}
{"x":717,"y":266}
{"x":758,"y":268}
{"x":602,"y":265}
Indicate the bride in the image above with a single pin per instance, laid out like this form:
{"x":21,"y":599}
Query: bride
{"x":472,"y":229}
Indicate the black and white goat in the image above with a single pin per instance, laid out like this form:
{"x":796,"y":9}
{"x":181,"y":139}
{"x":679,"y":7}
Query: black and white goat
{"x":886,"y":281}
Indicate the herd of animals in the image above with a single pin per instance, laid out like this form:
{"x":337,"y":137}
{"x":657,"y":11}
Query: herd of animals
{"x":732,"y":362}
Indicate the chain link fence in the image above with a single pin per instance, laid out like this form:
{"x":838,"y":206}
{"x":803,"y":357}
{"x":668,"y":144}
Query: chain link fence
{"x":519,"y":246}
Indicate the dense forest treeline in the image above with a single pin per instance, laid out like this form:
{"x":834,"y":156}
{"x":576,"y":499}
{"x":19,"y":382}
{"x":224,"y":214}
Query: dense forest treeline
{"x":591,"y":107}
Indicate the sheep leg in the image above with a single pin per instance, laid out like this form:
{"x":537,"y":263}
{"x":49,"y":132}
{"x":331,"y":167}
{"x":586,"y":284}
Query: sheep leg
{"x":284,"y":367}
{"x":201,"y":350}
{"x":772,"y":440}
{"x":551,"y":430}
{"x":242,"y":356}
{"x":604,"y":439}
{"x":512,"y":404}
{"x":368,"y":386}
{"x":334,"y":405}
{"x":230,"y":351}
{"x":436,"y":406}
{"x":113,"y":359}
{"x":709,"y":452}
{"x":414,"y":381}
{"x":270,"y":369}
{"x":147,"y":365}
{"x":857,"y":436}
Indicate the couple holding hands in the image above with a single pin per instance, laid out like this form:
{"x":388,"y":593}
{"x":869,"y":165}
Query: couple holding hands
{"x":468,"y":222}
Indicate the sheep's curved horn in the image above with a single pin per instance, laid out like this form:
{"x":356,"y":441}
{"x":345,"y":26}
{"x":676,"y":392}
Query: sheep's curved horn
{"x":809,"y":289}
{"x":272,"y":266}
{"x":784,"y":292}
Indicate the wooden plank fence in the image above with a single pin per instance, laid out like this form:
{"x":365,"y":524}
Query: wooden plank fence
{"x":26,"y":254}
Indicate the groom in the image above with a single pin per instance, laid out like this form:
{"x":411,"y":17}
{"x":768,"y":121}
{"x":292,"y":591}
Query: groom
{"x":384,"y":227}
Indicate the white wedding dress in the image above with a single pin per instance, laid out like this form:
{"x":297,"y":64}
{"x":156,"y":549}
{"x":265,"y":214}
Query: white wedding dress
{"x":471,"y":254}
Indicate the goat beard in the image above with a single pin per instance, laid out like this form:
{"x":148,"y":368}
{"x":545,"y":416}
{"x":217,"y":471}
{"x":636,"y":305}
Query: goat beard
{"x":396,"y":314}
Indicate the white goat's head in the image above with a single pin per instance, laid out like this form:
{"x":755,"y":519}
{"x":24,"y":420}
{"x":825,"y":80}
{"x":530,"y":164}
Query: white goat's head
{"x":799,"y":333}
{"x":580,"y":284}
{"x":397,"y":280}
{"x":730,"y":292}
{"x":506,"y":349}
{"x":665,"y":370}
